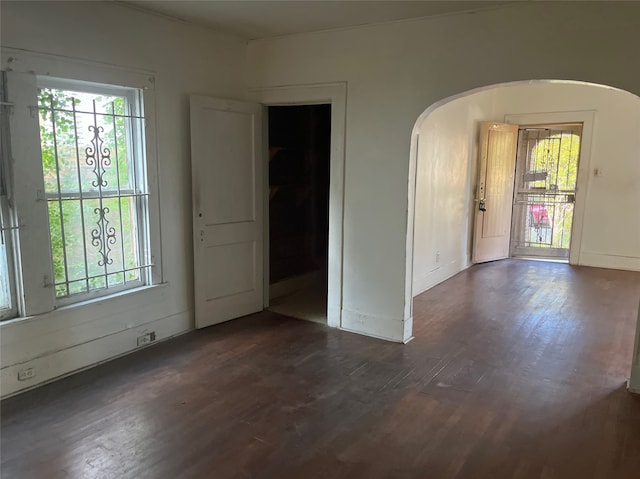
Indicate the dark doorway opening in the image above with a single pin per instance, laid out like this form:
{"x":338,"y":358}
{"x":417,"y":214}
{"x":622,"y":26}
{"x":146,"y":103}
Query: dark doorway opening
{"x":299,"y":158}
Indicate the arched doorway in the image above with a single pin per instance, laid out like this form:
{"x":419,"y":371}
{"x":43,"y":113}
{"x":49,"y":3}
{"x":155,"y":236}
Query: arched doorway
{"x":442,"y":171}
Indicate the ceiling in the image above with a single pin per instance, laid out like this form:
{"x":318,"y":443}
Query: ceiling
{"x":267,"y":18}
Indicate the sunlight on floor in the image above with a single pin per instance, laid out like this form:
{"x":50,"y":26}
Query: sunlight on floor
{"x":309,"y":303}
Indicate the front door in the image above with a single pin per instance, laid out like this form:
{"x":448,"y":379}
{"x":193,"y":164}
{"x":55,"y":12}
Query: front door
{"x":494,"y":192}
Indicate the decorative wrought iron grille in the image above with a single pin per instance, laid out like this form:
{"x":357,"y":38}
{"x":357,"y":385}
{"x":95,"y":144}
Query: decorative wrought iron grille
{"x":545,"y":190}
{"x":95,"y":187}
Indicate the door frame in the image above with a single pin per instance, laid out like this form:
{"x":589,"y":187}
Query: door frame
{"x":334,"y":94}
{"x":586,"y":117}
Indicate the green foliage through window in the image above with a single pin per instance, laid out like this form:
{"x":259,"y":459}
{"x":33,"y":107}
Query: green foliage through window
{"x":90,"y":185}
{"x":557,"y":155}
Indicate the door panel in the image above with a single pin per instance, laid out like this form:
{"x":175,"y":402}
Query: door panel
{"x":226,"y":147}
{"x":235,"y":269}
{"x":230,"y":195}
{"x":494,"y":197}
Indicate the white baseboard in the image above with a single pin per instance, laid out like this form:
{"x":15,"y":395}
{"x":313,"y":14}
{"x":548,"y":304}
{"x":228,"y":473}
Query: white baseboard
{"x":598,"y":260}
{"x":407,"y":334}
{"x":89,"y":354}
{"x":633,"y":385}
{"x":389,"y":329}
{"x":437,"y":276}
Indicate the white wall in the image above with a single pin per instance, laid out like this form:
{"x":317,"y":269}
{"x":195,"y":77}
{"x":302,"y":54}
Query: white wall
{"x":184,"y":60}
{"x":611,"y":229}
{"x":393,"y":72}
{"x":445,"y":177}
{"x":447,"y":136}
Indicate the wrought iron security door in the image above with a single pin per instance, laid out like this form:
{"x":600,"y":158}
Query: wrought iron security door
{"x":545,"y":190}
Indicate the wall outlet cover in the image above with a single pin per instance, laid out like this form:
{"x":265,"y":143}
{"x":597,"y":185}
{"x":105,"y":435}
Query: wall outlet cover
{"x":25,"y":374}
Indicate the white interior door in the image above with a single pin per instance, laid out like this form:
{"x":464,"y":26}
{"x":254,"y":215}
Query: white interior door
{"x":226,"y":163}
{"x":494,"y":192}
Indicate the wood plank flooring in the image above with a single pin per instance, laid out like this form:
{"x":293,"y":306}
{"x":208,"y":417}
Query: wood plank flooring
{"x":517,"y":370}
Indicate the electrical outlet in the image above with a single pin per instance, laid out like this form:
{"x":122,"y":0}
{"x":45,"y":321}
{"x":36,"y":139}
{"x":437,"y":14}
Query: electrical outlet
{"x":437,"y":257}
{"x":147,"y":338}
{"x":25,"y":374}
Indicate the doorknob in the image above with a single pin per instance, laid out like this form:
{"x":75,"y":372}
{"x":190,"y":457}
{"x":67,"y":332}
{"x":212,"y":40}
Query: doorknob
{"x":481,"y":205}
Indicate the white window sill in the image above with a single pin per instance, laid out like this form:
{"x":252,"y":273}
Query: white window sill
{"x":128,"y":295}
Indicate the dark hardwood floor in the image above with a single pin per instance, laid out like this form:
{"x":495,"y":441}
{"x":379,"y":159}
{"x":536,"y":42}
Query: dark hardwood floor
{"x":517,"y":370}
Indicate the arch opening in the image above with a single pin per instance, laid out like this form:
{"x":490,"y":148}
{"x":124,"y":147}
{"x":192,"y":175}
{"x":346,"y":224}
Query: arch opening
{"x":442,"y":176}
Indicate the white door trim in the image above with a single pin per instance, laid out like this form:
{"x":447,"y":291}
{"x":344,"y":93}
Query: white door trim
{"x":587,"y":118}
{"x":634,"y":380}
{"x":336,"y":95}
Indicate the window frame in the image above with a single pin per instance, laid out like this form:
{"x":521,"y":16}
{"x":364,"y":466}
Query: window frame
{"x":26,"y":73}
{"x":134,"y":142}
{"x":7,"y":218}
{"x":7,"y":229}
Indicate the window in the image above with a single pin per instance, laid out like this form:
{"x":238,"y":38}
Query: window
{"x":5,"y":294}
{"x":78,"y":189}
{"x":95,"y":186}
{"x":7,"y":303}
{"x":7,"y":288}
